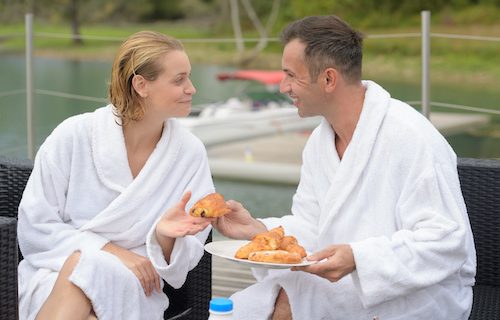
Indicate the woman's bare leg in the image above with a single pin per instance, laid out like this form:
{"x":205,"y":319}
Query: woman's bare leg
{"x":282,"y":309}
{"x":66,"y":301}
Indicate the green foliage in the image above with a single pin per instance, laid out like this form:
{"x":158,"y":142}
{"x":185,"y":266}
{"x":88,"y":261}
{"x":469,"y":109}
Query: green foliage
{"x":163,"y":10}
{"x":216,"y":14}
{"x":484,"y":15}
{"x":391,"y":13}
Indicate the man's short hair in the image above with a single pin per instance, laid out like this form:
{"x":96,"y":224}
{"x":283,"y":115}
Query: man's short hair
{"x":330,"y":42}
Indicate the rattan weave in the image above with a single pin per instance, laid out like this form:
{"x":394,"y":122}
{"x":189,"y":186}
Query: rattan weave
{"x":8,"y":268}
{"x":480,"y":184}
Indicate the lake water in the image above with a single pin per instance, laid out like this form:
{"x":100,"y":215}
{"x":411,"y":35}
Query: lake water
{"x":90,"y":78}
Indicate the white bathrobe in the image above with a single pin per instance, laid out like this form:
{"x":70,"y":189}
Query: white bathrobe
{"x":81,"y":195}
{"x":395,"y":198}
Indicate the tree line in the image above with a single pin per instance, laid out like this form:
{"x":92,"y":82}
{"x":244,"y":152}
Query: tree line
{"x":78,"y":12}
{"x":154,"y":10}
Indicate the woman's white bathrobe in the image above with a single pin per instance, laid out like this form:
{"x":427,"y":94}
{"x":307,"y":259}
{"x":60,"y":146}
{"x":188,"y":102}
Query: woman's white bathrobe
{"x":395,"y":198}
{"x":81,"y":195}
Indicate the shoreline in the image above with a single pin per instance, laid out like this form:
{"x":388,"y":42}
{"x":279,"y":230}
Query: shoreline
{"x":379,"y":67}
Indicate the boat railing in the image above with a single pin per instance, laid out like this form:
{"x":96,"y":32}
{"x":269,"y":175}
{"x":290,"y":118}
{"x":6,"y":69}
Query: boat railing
{"x":425,"y":103}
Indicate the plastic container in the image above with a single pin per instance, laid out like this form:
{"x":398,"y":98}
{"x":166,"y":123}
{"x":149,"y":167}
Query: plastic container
{"x":221,"y":309}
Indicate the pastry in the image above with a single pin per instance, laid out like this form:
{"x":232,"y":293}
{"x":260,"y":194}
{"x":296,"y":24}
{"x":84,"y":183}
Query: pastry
{"x":211,"y":206}
{"x":250,"y":247}
{"x":272,"y":237}
{"x":269,"y":240}
{"x":275,"y":256}
{"x":290,"y":244}
{"x":272,"y":246}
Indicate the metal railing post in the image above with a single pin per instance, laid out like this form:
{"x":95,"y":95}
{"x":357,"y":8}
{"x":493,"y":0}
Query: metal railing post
{"x":426,"y":51}
{"x":29,"y":84}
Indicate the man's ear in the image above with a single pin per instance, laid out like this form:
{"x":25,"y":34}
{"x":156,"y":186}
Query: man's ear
{"x":139,"y":85}
{"x":331,"y":78}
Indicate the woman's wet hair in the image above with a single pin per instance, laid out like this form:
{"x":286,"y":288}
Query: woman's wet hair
{"x":139,"y":54}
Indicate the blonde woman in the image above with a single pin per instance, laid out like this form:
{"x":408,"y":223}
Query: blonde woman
{"x":103,"y":217}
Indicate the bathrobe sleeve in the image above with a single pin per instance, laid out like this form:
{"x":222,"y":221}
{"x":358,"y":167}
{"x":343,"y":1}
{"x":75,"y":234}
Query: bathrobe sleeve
{"x":303,"y":222}
{"x":44,"y":235}
{"x":429,"y":245}
{"x":188,"y":250}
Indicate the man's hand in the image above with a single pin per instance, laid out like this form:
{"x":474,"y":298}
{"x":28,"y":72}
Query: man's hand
{"x":238,"y":224}
{"x":339,"y":262}
{"x":140,"y":266}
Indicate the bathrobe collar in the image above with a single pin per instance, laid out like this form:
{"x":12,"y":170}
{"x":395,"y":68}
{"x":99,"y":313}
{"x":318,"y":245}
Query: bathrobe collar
{"x":111,"y":164}
{"x":110,"y":155}
{"x":357,"y":154}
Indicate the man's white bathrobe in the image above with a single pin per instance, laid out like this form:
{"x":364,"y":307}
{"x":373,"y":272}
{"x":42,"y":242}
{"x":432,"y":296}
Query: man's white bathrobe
{"x":81,"y":195}
{"x":395,"y":198}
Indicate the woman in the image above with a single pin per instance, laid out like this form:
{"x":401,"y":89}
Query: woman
{"x":103,"y":214}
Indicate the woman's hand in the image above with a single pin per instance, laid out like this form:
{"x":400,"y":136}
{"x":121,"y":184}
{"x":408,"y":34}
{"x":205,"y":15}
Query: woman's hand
{"x":238,"y":224}
{"x":177,"y":223}
{"x":140,"y":266}
{"x":339,"y":262}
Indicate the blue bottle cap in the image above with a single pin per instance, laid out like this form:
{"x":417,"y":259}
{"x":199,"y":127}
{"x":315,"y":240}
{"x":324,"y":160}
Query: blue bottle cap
{"x":221,"y":304}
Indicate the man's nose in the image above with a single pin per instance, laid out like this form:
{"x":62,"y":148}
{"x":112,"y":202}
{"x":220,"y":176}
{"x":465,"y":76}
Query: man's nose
{"x":284,"y":86}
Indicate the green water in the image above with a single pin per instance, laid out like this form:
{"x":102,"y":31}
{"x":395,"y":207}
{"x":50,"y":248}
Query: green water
{"x":90,"y":78}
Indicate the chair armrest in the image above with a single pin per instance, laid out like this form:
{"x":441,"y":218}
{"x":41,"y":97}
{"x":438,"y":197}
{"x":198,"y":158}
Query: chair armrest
{"x":8,"y":268}
{"x":486,"y":303}
{"x":14,"y":174}
{"x":195,"y":294}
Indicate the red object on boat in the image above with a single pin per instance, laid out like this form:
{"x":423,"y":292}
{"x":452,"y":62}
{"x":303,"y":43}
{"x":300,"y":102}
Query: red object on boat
{"x":263,"y":76}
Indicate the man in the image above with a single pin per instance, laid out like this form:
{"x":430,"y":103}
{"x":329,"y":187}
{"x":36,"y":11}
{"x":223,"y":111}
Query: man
{"x":378,"y":203}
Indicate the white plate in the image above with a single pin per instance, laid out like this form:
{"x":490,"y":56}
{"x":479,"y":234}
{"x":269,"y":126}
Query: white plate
{"x":226,"y":249}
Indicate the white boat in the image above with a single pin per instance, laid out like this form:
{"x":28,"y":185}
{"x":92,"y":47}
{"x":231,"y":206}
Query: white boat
{"x":240,"y":118}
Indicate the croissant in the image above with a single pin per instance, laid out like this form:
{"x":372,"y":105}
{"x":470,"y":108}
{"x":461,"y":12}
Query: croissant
{"x":211,"y":206}
{"x":275,"y":256}
{"x":290,"y":244}
{"x":272,"y":246}
{"x":272,"y":237}
{"x":250,"y":247}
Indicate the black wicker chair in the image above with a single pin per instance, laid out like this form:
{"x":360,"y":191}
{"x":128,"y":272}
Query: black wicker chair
{"x":189,"y":302}
{"x":480,"y":184}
